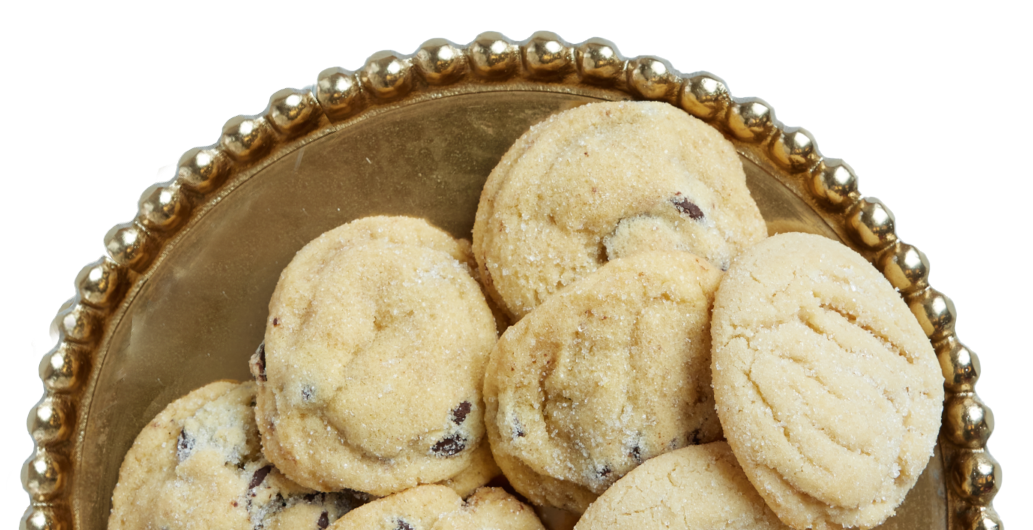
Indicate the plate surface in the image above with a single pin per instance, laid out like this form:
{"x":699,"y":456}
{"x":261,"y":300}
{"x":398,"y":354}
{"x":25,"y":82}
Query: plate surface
{"x":182,"y":298}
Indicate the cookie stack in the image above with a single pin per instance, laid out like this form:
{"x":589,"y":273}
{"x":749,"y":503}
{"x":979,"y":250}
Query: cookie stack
{"x":663,"y":363}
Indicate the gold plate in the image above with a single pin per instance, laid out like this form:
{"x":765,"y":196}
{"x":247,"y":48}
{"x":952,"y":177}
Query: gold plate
{"x":181,"y":297}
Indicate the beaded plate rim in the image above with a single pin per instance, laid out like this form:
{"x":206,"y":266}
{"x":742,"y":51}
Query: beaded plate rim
{"x":437,"y":68}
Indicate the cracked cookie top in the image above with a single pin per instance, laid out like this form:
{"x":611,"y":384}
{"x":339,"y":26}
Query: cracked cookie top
{"x":198,"y":465}
{"x":371,"y":371}
{"x":827,"y":388}
{"x":604,"y":375}
{"x":603,"y":181}
{"x":700,"y":487}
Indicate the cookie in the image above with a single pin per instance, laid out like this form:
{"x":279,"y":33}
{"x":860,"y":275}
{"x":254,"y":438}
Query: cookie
{"x":604,"y":375}
{"x":828,"y":390}
{"x":490,"y":508}
{"x":603,"y":181}
{"x":198,"y":464}
{"x":439,"y":508}
{"x":375,"y":346}
{"x":694,"y":488}
{"x":415,"y":509}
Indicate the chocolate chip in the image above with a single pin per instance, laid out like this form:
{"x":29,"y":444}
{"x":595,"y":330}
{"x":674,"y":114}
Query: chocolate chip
{"x":402,"y":524}
{"x":695,"y":437}
{"x":276,"y":321}
{"x":261,"y":362}
{"x":687,"y":207}
{"x":518,"y":429}
{"x":450,"y":445}
{"x":459,"y":413}
{"x":307,"y":392}
{"x":636,"y":453}
{"x":324,"y":520}
{"x":184,"y":446}
{"x":605,"y":471}
{"x":258,"y":477}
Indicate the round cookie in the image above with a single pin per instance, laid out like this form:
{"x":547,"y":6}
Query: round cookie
{"x":438,"y":508}
{"x":199,"y":464}
{"x":827,"y":388}
{"x":490,"y":508}
{"x":602,"y":376}
{"x":700,"y":487}
{"x":414,"y":509}
{"x":603,"y":181}
{"x":371,"y":374}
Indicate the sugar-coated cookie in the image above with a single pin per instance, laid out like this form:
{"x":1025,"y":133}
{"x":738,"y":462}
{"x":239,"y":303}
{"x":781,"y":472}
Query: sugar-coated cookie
{"x":603,"y":181}
{"x":435,"y":507}
{"x":199,"y":465}
{"x":375,"y":346}
{"x":490,"y":509}
{"x":700,"y":487}
{"x":415,"y":509}
{"x":604,"y":375}
{"x":828,"y":390}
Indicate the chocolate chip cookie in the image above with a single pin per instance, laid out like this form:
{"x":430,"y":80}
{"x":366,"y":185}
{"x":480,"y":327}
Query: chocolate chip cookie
{"x":198,"y":464}
{"x":603,"y":181}
{"x":827,"y":388}
{"x":700,"y":487}
{"x":604,"y":375}
{"x":370,"y":377}
{"x":439,"y":508}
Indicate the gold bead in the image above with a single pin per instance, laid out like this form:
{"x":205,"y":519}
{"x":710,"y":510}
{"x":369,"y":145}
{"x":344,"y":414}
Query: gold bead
{"x":203,"y":169}
{"x":163,"y":207}
{"x":129,"y":245}
{"x":960,"y":365}
{"x":794,"y":149}
{"x":976,"y":476}
{"x":493,"y":55}
{"x":598,"y":61}
{"x":934,"y":311}
{"x":905,"y":267}
{"x":246,"y":138}
{"x":545,"y":55}
{"x":45,"y":517}
{"x":751,"y":120}
{"x":50,"y":421}
{"x":339,"y":93}
{"x":980,"y":518}
{"x":834,"y":182}
{"x":43,"y":475}
{"x":872,"y":224}
{"x":705,"y":97}
{"x":76,"y":323}
{"x":653,"y":78}
{"x":293,"y":112}
{"x":968,"y":421}
{"x":62,"y":370}
{"x":100,"y":283}
{"x":440,"y":62}
{"x":387,"y":75}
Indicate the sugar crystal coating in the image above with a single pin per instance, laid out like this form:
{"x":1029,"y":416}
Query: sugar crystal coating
{"x":378,"y":334}
{"x":604,"y":375}
{"x":603,"y":181}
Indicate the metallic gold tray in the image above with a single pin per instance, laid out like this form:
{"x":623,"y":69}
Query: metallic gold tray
{"x":181,"y":297}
